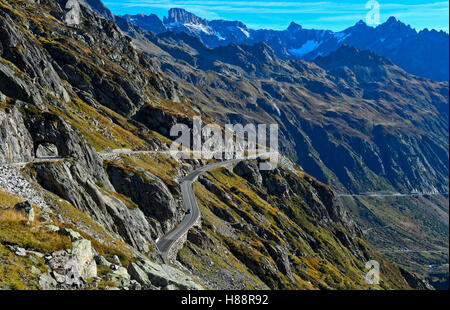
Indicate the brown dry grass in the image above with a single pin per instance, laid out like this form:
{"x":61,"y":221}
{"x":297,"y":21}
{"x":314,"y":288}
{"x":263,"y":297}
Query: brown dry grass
{"x":8,"y":200}
{"x":11,"y":215}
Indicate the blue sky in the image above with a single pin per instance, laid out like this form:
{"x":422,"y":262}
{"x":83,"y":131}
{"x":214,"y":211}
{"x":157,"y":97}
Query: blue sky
{"x":277,"y":14}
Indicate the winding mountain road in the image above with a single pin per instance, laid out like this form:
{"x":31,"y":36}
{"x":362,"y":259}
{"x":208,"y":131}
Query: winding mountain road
{"x":190,"y":202}
{"x":166,"y":242}
{"x":34,"y":161}
{"x":375,"y":195}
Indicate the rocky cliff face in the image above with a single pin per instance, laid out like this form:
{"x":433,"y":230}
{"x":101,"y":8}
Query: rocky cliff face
{"x":16,"y":141}
{"x":260,"y":230}
{"x":182,"y":16}
{"x":149,"y":22}
{"x":352,"y":119}
{"x":148,"y":191}
{"x":54,"y":91}
{"x":353,"y":102}
{"x":86,"y":90}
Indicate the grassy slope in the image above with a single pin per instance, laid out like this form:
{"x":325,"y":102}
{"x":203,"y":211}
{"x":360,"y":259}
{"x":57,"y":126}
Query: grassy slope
{"x":395,"y":224}
{"x":243,"y":254}
{"x":15,"y":271}
{"x":104,"y":128}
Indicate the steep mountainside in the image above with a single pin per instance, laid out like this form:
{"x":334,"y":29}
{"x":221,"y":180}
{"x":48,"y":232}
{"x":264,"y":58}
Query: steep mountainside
{"x":352,"y":119}
{"x":95,"y":210}
{"x":355,"y":121}
{"x":388,"y":127}
{"x":424,"y":53}
{"x":260,"y":230}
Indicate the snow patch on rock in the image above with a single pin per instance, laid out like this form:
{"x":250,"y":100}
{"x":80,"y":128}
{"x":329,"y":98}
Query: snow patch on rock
{"x":306,"y":48}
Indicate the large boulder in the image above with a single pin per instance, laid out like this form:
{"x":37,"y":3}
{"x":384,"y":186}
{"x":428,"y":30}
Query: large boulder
{"x":216,"y":190}
{"x":162,"y":276}
{"x":249,"y":171}
{"x":84,"y":255}
{"x":26,"y":209}
{"x":73,"y":235}
{"x":71,"y":268}
{"x":280,"y":256}
{"x":276,"y":185}
{"x":46,"y":282}
{"x":199,"y":238}
{"x":119,"y":276}
{"x":138,"y":274}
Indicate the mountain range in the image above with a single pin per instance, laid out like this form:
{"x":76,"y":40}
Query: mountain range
{"x":424,"y":53}
{"x":103,"y":95}
{"x":252,"y":83}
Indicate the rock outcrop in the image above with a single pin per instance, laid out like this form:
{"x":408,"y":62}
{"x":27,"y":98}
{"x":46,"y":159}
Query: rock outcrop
{"x":26,"y":209}
{"x":16,"y":144}
{"x":148,"y":191}
{"x":68,"y":88}
{"x":162,"y":276}
{"x":70,"y":268}
{"x":72,"y":182}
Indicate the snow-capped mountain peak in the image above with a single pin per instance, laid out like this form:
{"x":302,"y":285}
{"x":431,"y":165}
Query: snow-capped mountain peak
{"x":385,"y":39}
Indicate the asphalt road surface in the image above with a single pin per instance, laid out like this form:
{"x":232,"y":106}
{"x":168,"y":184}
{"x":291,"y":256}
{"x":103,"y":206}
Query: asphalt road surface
{"x":189,"y":201}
